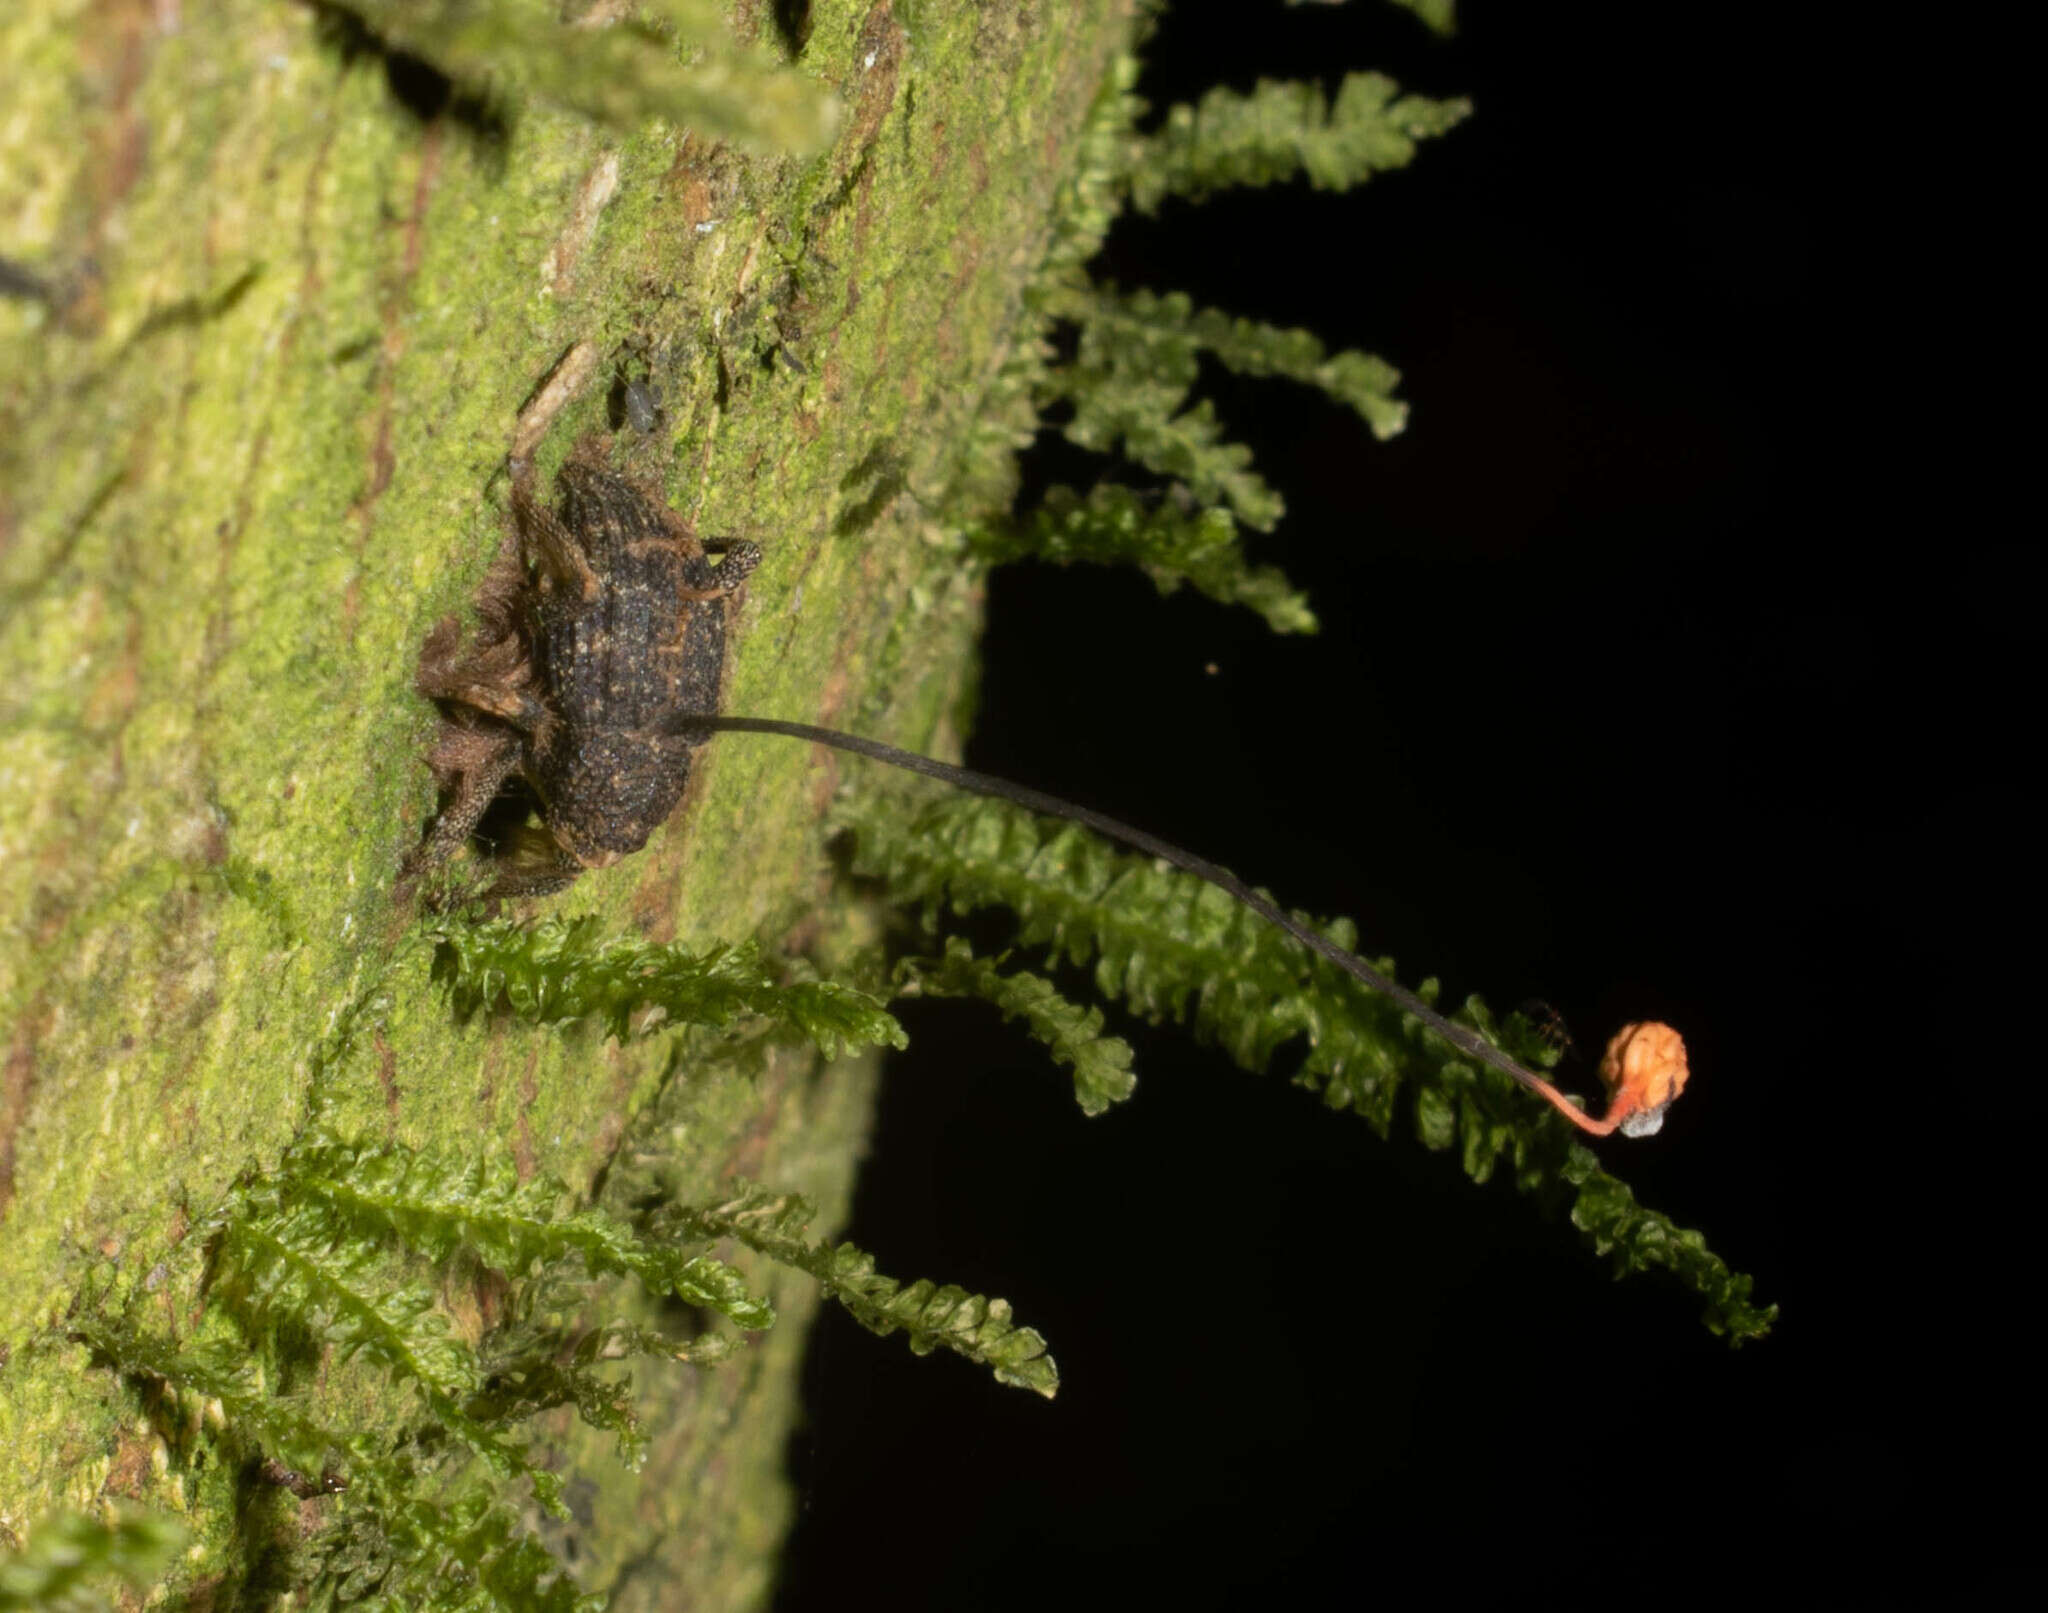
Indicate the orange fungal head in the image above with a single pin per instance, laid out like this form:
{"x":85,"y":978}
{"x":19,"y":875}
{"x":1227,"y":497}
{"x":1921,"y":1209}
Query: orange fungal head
{"x":1644,"y":1069}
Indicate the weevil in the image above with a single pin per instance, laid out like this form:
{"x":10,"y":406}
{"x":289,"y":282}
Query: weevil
{"x":598,"y":671}
{"x":607,"y":624}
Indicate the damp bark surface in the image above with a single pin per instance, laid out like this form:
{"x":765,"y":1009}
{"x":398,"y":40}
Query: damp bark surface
{"x":281,"y":304}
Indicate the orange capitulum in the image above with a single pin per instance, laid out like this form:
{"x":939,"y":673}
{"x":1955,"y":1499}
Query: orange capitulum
{"x":1643,"y":1069}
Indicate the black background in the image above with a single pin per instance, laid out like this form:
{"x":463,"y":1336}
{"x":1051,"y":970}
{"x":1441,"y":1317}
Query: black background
{"x":1625,"y":699}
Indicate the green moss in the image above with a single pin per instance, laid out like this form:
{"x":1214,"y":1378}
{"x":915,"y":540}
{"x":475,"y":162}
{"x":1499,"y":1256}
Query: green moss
{"x":259,"y":449}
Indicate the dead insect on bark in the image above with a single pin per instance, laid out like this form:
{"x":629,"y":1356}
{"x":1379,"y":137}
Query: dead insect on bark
{"x":607,"y":624}
{"x":598,"y":672}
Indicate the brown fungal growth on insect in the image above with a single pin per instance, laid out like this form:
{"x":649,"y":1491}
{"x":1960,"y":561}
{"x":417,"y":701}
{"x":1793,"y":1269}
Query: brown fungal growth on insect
{"x":607,"y":624}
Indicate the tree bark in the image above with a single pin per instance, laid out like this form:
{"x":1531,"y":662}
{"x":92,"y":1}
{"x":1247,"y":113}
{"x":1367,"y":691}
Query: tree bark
{"x":279,"y":310}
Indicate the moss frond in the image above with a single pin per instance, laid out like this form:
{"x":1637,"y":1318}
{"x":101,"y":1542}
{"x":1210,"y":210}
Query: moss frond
{"x":1439,"y":16}
{"x":1168,"y":536}
{"x":1070,"y":1032}
{"x":308,"y":1253}
{"x":1144,"y":416}
{"x":539,"y":1359}
{"x":560,"y":970}
{"x":933,"y":1317}
{"x":399,"y":1549}
{"x":1175,"y":948}
{"x":1092,"y":194}
{"x":443,"y":1208}
{"x":294,"y":1268}
{"x":1136,"y":362}
{"x":216,"y":1373}
{"x":57,"y":1570}
{"x":1284,"y":129}
{"x":447,"y":1210}
{"x":1145,"y":334}
{"x":621,"y":75}
{"x":297,"y":1266}
{"x":1137,"y":355}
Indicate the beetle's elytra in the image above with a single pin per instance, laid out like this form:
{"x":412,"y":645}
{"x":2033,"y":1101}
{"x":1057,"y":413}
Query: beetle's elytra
{"x":607,"y":625}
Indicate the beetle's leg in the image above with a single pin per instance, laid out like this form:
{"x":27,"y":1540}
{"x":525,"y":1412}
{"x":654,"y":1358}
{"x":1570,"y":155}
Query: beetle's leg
{"x":701,"y":581}
{"x":490,"y":679}
{"x":549,"y":546}
{"x":706,"y":581}
{"x":497,"y":699}
{"x":742,"y":555}
{"x":479,"y":760}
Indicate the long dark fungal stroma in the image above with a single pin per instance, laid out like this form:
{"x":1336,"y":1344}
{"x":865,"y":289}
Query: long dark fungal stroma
{"x":598,"y":671}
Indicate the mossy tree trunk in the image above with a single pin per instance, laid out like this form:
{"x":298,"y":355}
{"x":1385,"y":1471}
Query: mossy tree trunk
{"x":254,"y":439}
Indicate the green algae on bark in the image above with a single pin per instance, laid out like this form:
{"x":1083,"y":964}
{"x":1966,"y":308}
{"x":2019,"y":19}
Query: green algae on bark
{"x":253,"y":447}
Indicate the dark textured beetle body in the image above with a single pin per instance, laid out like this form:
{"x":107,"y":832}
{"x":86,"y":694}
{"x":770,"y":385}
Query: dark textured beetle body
{"x":608,"y":626}
{"x":629,"y":620}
